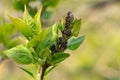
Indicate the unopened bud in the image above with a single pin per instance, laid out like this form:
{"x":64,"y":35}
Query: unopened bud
{"x":61,"y":40}
{"x":69,"y":19}
{"x":70,"y":16}
{"x":53,"y":48}
{"x":67,"y":32}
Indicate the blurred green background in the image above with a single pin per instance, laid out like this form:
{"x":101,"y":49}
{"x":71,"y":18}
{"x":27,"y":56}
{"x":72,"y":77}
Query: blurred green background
{"x":98,"y":58}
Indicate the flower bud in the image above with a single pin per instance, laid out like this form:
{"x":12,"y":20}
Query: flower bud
{"x":69,"y":19}
{"x":53,"y":48}
{"x":67,"y":32}
{"x":61,"y":40}
{"x":70,"y":16}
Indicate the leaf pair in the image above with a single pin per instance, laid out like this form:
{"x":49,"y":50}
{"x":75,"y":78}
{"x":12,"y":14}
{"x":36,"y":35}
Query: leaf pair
{"x":28,"y":26}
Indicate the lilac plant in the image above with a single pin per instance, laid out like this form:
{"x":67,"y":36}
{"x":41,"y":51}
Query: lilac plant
{"x":44,"y":47}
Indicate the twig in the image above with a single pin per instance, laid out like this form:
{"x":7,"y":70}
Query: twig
{"x":44,"y":67}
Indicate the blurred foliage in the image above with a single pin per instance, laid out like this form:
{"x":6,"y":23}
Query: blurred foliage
{"x":99,"y":56}
{"x":50,"y":3}
{"x":7,"y":36}
{"x":7,"y":30}
{"x":45,"y":48}
{"x":19,"y":5}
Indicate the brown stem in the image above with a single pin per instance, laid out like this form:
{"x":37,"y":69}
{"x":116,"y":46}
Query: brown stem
{"x":42,"y":74}
{"x":44,"y":67}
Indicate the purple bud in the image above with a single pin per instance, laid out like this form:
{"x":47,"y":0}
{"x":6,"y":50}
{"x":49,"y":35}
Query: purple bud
{"x":67,"y":32}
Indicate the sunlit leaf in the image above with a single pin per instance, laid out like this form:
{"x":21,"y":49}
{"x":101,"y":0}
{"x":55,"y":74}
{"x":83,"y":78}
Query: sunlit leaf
{"x":37,"y":19}
{"x":76,"y":27}
{"x":54,"y":32}
{"x":31,"y":22}
{"x":60,"y":24}
{"x":22,"y":27}
{"x":20,"y":54}
{"x":38,"y":14}
{"x":26,"y":16}
{"x":42,"y":38}
{"x":45,"y":38}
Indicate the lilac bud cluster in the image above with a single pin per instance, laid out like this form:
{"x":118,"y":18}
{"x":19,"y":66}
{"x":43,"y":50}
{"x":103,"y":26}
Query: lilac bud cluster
{"x":66,"y":34}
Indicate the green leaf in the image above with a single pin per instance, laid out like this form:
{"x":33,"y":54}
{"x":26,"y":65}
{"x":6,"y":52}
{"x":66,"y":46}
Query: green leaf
{"x":37,"y":20}
{"x":45,"y":38}
{"x":60,"y":24}
{"x":50,"y":3}
{"x":42,"y":39}
{"x":43,"y":55}
{"x":42,"y":61}
{"x":41,"y":42}
{"x":54,"y":32}
{"x":59,"y":57}
{"x":22,"y":27}
{"x":27,"y":71}
{"x":6,"y":31}
{"x":32,"y":23}
{"x":46,"y":14}
{"x":38,"y":14}
{"x":74,"y":43}
{"x":20,"y":54}
{"x":49,"y":69}
{"x":27,"y":1}
{"x":12,"y":43}
{"x":26,"y":16}
{"x":76,"y":27}
{"x":18,"y":5}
